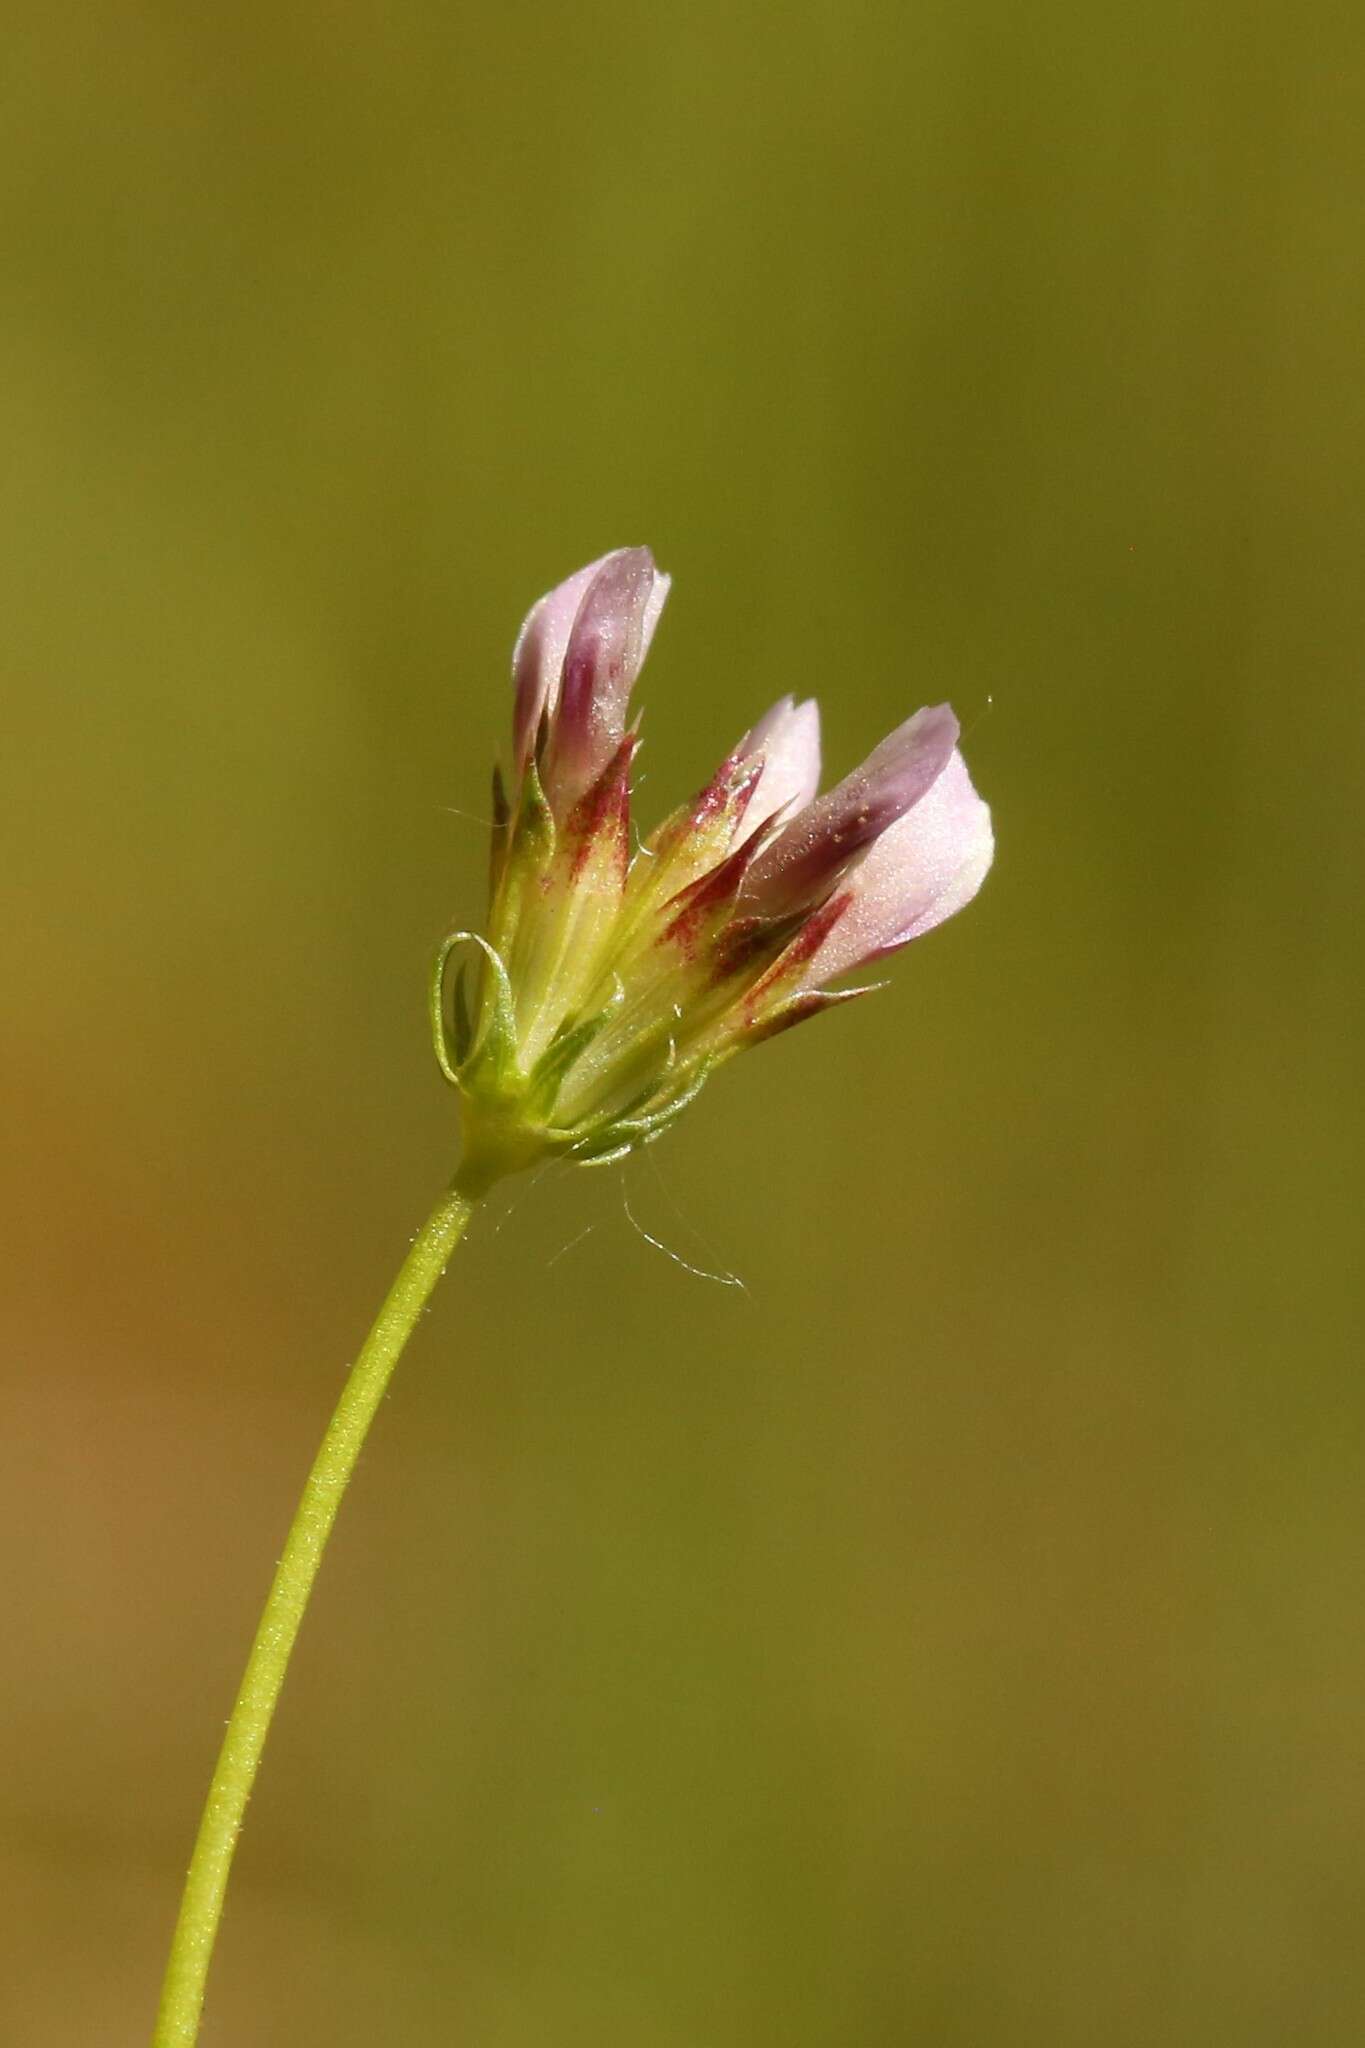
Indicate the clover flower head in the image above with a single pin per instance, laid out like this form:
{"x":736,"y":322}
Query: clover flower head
{"x":610,"y":983}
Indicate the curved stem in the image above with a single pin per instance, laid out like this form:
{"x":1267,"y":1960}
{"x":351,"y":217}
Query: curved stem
{"x":201,"y":1906}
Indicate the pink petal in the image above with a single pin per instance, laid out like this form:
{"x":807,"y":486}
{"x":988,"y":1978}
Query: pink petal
{"x":788,"y":738}
{"x":538,"y":657}
{"x":927,"y":865}
{"x":654,"y":605}
{"x":807,"y":858}
{"x":607,"y":645}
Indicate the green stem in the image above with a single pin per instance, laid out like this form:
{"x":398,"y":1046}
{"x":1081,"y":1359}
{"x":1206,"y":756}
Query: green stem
{"x":201,"y":1907}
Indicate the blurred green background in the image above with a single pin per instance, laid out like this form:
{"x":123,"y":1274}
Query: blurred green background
{"x":955,"y":1637}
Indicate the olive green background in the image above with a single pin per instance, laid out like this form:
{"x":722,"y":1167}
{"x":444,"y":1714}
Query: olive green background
{"x":955,"y":1636}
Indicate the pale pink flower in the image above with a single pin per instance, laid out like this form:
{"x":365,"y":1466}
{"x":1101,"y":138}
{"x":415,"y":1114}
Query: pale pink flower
{"x":576,"y":662}
{"x":787,"y":741}
{"x":927,"y":865}
{"x":613,"y":982}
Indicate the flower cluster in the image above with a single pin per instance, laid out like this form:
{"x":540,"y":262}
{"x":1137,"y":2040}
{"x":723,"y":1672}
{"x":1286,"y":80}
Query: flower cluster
{"x":611,"y":983}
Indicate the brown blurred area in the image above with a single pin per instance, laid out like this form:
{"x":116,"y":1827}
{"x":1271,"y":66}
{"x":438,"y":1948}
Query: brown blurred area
{"x":953,"y":1636}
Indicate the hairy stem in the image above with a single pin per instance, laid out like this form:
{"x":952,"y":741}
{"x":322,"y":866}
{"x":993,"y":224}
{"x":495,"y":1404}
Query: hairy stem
{"x":201,"y":1906}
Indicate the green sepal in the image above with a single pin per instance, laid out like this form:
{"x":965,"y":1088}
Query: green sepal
{"x":533,"y":833}
{"x":464,"y":1024}
{"x":500,"y":834}
{"x":601,"y":1158}
{"x":448,"y":1057}
{"x":527,"y":853}
{"x":569,"y":1042}
{"x":621,"y":1134}
{"x":795,"y":1010}
{"x":493,"y":1055}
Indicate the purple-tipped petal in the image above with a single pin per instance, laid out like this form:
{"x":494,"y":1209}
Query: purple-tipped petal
{"x":809,"y":855}
{"x":607,"y":644}
{"x":538,"y":657}
{"x":927,"y":865}
{"x":788,"y":739}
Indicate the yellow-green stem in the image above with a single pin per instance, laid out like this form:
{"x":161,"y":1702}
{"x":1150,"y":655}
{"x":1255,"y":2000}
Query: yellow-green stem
{"x":201,"y":1906}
